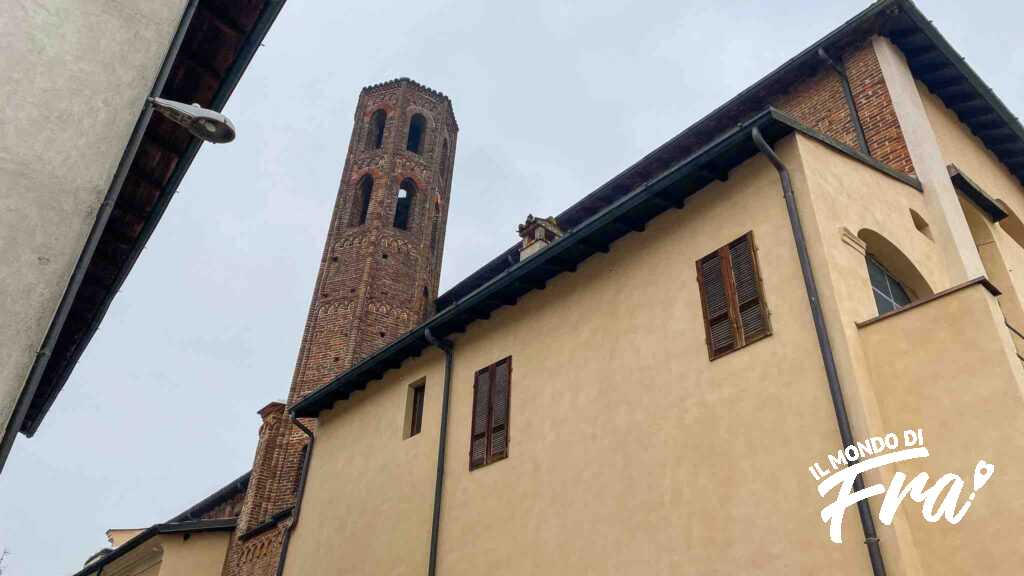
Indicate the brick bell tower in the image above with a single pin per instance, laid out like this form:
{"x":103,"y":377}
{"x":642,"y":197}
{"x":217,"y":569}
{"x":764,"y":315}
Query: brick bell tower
{"x":378,"y":279}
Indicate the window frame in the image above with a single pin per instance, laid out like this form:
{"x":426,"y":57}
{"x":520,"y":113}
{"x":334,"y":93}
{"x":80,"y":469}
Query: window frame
{"x":890,"y":281}
{"x":491,"y":371}
{"x":740,"y":338}
{"x":415,"y":400}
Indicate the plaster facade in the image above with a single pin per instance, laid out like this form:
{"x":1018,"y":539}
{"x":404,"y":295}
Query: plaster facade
{"x":192,"y":554}
{"x":62,"y":134}
{"x":630,"y":452}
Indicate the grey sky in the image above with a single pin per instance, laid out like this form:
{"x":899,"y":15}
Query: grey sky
{"x":552,"y":99}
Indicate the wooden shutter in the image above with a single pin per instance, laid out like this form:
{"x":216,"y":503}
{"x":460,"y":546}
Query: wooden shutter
{"x":732,"y":297}
{"x":753,"y":319}
{"x":719,"y":328}
{"x":488,"y":440}
{"x":499,"y":410}
{"x":481,"y":419}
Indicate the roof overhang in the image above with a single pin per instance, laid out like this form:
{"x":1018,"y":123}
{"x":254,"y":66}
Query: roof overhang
{"x":218,"y":40}
{"x":186,"y":527}
{"x":666,"y":191}
{"x":932,"y":60}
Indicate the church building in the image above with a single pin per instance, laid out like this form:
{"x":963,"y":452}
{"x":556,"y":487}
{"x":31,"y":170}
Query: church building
{"x":654,"y":381}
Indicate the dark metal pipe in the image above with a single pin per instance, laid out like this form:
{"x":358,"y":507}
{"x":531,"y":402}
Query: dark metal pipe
{"x":99,"y":224}
{"x":824,"y":345}
{"x":287,"y":538}
{"x":447,"y":346}
{"x":851,"y":104}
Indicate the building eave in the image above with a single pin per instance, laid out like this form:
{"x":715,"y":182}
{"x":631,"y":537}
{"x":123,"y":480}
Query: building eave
{"x":186,"y":527}
{"x":219,"y":44}
{"x":630,"y":213}
{"x":931,"y":58}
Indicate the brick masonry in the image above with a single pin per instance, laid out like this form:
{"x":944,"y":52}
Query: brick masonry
{"x":376,"y":282}
{"x":818,"y":102}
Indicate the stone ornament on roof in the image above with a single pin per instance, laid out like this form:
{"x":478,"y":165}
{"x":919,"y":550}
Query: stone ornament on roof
{"x":537,"y":233}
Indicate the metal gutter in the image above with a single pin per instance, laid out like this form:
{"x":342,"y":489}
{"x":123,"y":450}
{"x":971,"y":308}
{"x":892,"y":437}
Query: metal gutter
{"x":230,"y":80}
{"x":824,"y":345}
{"x":99,"y":224}
{"x":851,"y":104}
{"x":206,"y":504}
{"x":442,"y":441}
{"x":287,"y":538}
{"x":211,"y":525}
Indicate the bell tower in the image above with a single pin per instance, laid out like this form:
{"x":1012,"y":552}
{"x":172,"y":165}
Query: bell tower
{"x":378,"y":279}
{"x":381,"y":265}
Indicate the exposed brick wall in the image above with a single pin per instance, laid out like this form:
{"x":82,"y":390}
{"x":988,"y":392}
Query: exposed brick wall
{"x":818,"y":102}
{"x":874,"y":106}
{"x":376,"y":282}
{"x":230,"y":508}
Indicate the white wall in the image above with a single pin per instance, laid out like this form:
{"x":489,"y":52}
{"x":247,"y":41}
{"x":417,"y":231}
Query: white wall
{"x":76,"y":74}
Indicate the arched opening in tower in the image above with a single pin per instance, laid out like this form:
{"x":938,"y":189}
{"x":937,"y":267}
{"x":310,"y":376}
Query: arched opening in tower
{"x":363,"y":202}
{"x":417,"y":126}
{"x":375,"y":137}
{"x":403,"y":204}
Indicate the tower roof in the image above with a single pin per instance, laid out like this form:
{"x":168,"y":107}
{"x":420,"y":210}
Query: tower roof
{"x":422,"y":87}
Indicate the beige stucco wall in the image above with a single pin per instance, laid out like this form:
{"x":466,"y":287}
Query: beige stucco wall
{"x":959,"y":146}
{"x":630,"y":452}
{"x":202,"y":554}
{"x":76,"y":75}
{"x":197,"y":554}
{"x":143,"y":560}
{"x":949,"y":368}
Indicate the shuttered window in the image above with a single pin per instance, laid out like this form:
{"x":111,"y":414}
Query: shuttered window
{"x":488,"y":440}
{"x":732,"y":297}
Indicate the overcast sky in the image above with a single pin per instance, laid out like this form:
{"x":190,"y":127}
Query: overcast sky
{"x":552,"y":99}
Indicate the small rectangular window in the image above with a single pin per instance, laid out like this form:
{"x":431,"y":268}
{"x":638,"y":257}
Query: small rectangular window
{"x":414,"y":409}
{"x":732,"y":297}
{"x":489,"y":436}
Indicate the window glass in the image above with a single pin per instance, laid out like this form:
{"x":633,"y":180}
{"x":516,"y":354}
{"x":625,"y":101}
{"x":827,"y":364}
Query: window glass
{"x":889,"y":293}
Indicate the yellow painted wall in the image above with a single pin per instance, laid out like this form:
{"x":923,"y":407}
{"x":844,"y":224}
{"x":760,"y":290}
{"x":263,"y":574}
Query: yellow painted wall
{"x":369,"y":497}
{"x":202,"y":554}
{"x":948,"y":367}
{"x":630,"y":452}
{"x":961,"y":147}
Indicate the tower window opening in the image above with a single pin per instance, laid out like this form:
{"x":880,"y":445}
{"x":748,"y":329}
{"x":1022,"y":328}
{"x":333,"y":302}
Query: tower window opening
{"x":417,"y":126}
{"x":403,"y":204}
{"x":362,"y":205}
{"x":375,"y":138}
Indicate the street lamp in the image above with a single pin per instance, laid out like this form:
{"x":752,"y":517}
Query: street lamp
{"x":202,"y":123}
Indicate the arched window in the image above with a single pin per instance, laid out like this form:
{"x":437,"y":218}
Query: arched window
{"x":403,"y":204}
{"x":417,"y":127}
{"x":362,"y":204}
{"x":895,"y":280}
{"x":375,"y":137}
{"x":889,"y":292}
{"x":443,"y":163}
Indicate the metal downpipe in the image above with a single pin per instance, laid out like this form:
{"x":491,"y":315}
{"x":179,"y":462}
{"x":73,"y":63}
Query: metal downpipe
{"x":824,"y":345}
{"x":447,"y":346}
{"x":298,"y":496}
